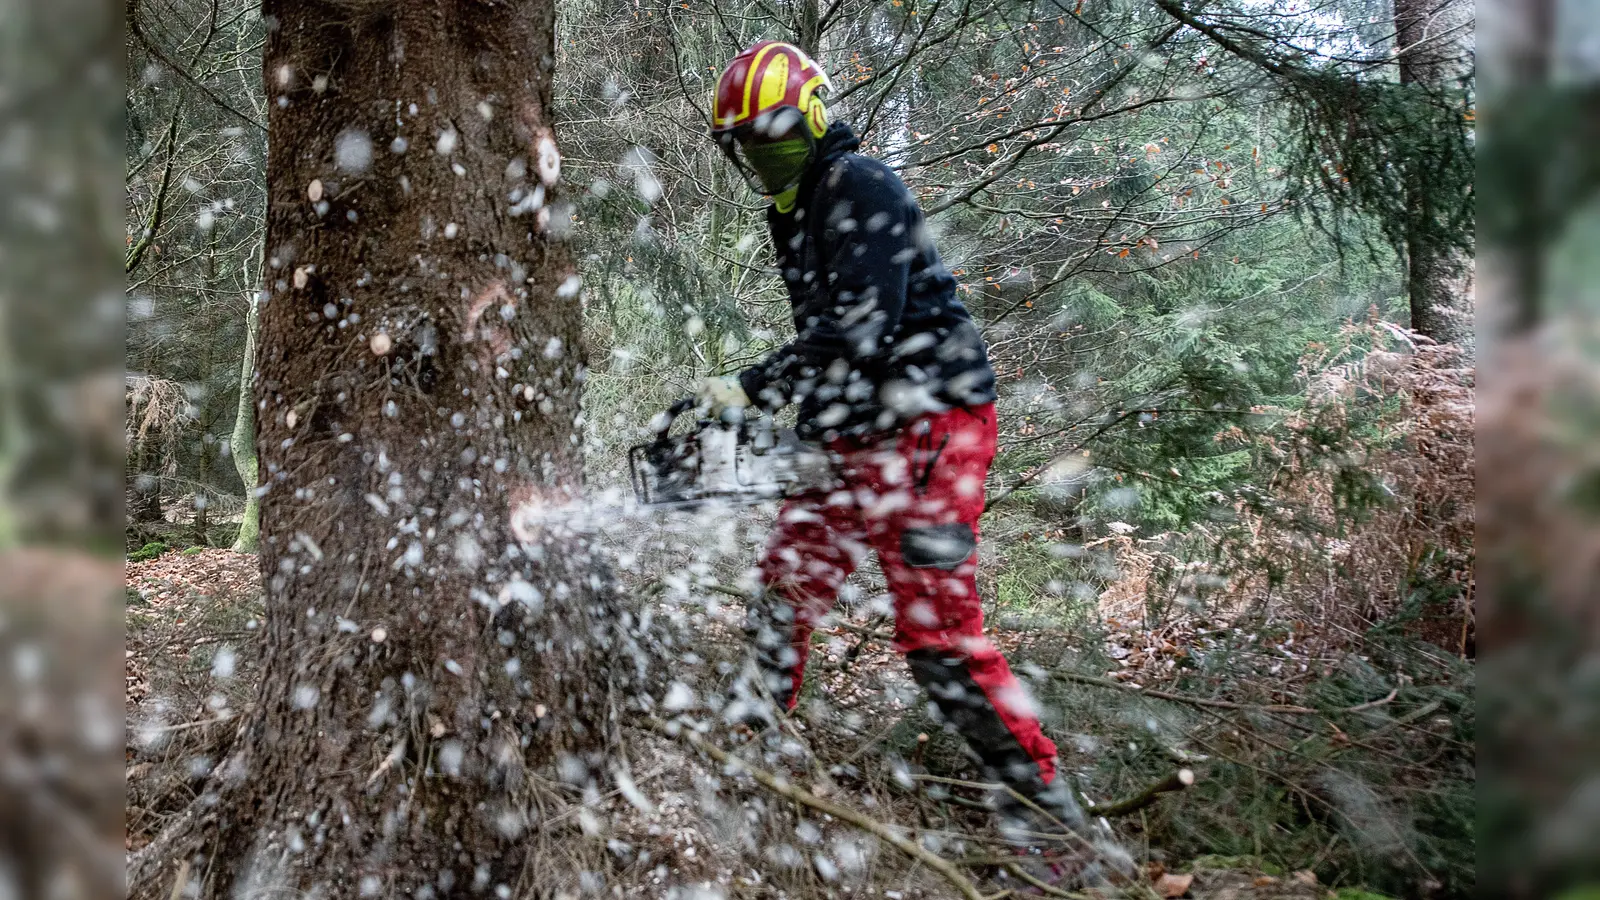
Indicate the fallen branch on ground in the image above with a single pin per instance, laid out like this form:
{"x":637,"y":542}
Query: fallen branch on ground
{"x":1177,"y":781}
{"x":1371,"y":704}
{"x":873,"y":741}
{"x":1220,"y":704}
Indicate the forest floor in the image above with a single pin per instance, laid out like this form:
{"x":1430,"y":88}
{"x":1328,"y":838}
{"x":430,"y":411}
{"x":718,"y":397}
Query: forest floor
{"x":193,"y":632}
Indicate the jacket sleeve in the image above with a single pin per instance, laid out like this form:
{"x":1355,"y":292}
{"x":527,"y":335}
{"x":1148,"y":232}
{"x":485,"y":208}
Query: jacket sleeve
{"x":865,"y":239}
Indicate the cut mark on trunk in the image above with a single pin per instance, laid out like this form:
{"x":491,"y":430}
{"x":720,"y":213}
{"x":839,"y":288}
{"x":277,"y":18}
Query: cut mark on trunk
{"x":492,"y":330}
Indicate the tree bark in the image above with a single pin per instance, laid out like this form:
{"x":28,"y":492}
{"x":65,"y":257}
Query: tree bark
{"x":1438,"y":276}
{"x":242,"y":442}
{"x":432,"y":635}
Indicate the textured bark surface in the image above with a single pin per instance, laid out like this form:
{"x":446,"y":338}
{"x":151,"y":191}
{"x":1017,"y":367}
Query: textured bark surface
{"x":430,"y":644}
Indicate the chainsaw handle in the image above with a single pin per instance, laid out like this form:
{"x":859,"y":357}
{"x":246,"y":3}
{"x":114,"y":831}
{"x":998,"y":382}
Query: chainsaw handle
{"x":672,"y":413}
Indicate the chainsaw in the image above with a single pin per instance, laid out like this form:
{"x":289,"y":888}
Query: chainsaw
{"x":726,"y":462}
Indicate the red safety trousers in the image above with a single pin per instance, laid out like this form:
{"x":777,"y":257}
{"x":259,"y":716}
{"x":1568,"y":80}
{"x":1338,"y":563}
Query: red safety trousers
{"x":914,"y":496}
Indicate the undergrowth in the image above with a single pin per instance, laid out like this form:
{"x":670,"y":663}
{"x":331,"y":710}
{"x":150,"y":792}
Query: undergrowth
{"x":1312,"y":651}
{"x":1340,"y":582}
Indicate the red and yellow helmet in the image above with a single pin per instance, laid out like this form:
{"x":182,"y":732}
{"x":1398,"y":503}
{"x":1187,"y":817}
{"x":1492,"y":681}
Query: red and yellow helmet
{"x":764,"y":80}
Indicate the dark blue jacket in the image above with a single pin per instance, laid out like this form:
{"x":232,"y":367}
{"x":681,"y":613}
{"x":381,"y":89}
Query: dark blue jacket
{"x":880,"y":337}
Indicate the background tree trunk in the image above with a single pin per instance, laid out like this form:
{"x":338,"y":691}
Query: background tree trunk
{"x":808,"y":27}
{"x":146,"y":477}
{"x":430,"y":635}
{"x":1437,"y":275}
{"x":242,"y":443}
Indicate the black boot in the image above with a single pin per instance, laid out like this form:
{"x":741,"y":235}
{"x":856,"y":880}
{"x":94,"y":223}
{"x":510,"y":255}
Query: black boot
{"x":1039,"y":815}
{"x":1055,"y":842}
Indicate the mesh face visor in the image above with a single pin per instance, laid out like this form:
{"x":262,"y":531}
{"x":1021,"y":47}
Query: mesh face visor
{"x":771,"y":152}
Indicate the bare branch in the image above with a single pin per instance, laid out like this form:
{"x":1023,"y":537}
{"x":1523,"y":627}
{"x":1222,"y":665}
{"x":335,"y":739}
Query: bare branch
{"x":147,"y":237}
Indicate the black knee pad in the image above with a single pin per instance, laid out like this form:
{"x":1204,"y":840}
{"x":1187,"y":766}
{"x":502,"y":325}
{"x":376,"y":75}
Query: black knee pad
{"x":938,"y":546}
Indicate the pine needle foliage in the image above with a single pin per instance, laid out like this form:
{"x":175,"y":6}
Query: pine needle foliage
{"x":1361,"y":143}
{"x":1400,"y":155}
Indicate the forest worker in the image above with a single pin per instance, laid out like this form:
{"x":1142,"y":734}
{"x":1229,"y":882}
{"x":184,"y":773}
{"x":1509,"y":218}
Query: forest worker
{"x":890,"y":374}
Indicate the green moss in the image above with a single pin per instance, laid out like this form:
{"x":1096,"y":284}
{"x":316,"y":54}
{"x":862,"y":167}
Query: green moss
{"x":148,"y":552}
{"x":1246,"y":863}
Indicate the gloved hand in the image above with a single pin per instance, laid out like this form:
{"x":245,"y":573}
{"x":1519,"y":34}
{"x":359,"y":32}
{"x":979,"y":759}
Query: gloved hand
{"x":721,"y":393}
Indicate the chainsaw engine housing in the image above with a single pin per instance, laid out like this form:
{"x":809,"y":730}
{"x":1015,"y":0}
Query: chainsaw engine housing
{"x":747,"y":462}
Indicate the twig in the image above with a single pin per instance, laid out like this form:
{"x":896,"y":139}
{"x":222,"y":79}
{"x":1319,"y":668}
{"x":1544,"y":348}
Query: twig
{"x":855,"y":651}
{"x":1041,"y":884}
{"x":1370,"y":704}
{"x":800,"y":795}
{"x":1220,"y":704}
{"x":1405,"y":721}
{"x":156,"y":51}
{"x":873,"y":741}
{"x":182,"y":881}
{"x":396,"y":754}
{"x":199,"y":723}
{"x":867,"y":633}
{"x":1176,"y":781}
{"x":922,"y":748}
{"x":1183,"y":757}
{"x":1179,"y":698}
{"x":1023,"y":482}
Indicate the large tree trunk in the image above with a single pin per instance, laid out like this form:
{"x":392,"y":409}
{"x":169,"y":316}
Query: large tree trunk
{"x":430,"y":635}
{"x":1438,"y":276}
